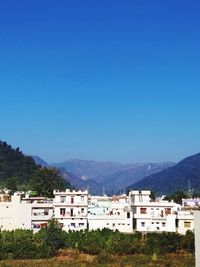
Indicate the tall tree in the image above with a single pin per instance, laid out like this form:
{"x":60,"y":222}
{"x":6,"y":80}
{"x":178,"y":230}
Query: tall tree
{"x":44,"y":181}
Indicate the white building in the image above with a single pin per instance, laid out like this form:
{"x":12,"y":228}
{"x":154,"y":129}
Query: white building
{"x":25,"y":213}
{"x":71,"y":209}
{"x":41,"y":211}
{"x":149,"y":216}
{"x":184,"y":221}
{"x":14,"y":214}
{"x":113,"y":213}
{"x":74,"y":212}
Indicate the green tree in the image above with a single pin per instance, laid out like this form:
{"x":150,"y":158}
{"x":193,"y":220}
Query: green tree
{"x":188,"y":242}
{"x":44,"y":181}
{"x":120,"y":243}
{"x":11,"y":184}
{"x":177,"y":197}
{"x":52,"y":236}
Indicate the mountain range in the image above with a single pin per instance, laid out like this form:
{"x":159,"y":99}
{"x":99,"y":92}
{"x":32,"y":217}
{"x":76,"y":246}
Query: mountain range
{"x":104,"y":177}
{"x":100,"y":177}
{"x":181,"y":177}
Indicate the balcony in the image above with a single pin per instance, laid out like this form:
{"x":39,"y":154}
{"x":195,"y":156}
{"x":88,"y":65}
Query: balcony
{"x":68,"y":203}
{"x":68,"y":216}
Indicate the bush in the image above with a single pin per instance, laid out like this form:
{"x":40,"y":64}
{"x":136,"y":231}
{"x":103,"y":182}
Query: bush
{"x":160,"y":243}
{"x":52,"y":236}
{"x":120,"y":243}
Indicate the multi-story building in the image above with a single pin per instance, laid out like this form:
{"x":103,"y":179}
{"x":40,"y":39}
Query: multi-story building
{"x":25,"y":213}
{"x":71,"y":209}
{"x":14,"y":214}
{"x":41,"y":211}
{"x":159,"y":216}
{"x":113,"y":213}
{"x":74,"y":212}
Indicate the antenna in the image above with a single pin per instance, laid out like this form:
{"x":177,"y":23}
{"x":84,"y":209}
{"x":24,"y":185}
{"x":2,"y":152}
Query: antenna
{"x":104,"y":190}
{"x":189,"y":189}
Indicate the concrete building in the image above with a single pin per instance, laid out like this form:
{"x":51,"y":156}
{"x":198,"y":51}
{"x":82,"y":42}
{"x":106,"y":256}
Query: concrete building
{"x":110,"y":212}
{"x":41,"y":211}
{"x":25,"y":213}
{"x":75,"y":211}
{"x":71,"y":209}
{"x":184,"y":221}
{"x":14,"y":214}
{"x":149,"y":216}
{"x":191,"y":203}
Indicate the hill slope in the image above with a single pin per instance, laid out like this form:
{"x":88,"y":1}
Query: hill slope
{"x":174,"y":178}
{"x":94,"y":188}
{"x":40,"y":161}
{"x":127,"y":177}
{"x":20,"y":172}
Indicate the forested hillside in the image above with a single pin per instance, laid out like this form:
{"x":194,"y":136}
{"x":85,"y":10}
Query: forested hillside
{"x":19,"y":172}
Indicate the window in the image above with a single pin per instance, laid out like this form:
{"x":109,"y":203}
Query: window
{"x":167,"y":211}
{"x":62,"y":212}
{"x":163,"y":224}
{"x":72,"y":200}
{"x":82,"y":198}
{"x":143,"y":211}
{"x":113,"y":224}
{"x":71,"y":212}
{"x":82,"y":210}
{"x":142,"y":224}
{"x":128,"y":215}
{"x":187,"y":224}
{"x":46,"y":212}
{"x":62,"y":199}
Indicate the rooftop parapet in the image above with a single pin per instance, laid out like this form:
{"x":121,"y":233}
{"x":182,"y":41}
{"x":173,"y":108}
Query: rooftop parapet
{"x":70,"y":192}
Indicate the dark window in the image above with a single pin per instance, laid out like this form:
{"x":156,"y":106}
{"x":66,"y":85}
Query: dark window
{"x":62,"y":212}
{"x":71,"y":212}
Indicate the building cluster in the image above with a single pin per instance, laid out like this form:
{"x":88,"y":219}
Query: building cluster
{"x":77,"y":210}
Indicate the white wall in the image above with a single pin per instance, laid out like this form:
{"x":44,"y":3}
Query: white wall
{"x":197,"y":237}
{"x":14,"y":216}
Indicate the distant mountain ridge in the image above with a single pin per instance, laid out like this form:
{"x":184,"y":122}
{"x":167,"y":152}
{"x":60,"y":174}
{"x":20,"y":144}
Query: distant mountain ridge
{"x":173,"y":178}
{"x":125,"y":178}
{"x":40,"y":161}
{"x":90,"y":169}
{"x":110,"y":177}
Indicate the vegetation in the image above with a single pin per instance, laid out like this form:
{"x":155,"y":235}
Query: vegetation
{"x":69,"y":258}
{"x":103,"y":244}
{"x":19,"y":172}
{"x":177,"y":197}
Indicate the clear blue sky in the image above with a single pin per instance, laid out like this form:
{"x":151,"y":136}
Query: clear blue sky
{"x":101,"y":79}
